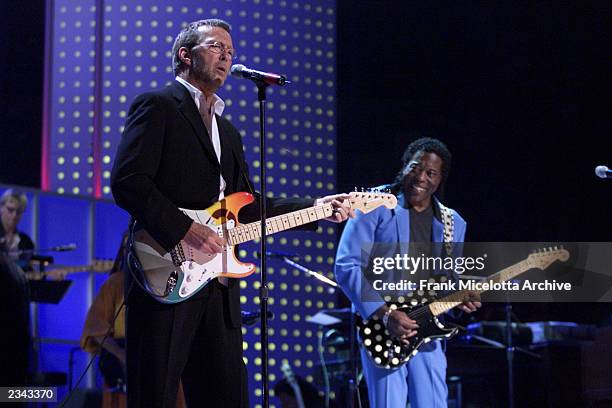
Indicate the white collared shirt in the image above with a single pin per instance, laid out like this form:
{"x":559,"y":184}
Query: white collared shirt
{"x":217,"y":108}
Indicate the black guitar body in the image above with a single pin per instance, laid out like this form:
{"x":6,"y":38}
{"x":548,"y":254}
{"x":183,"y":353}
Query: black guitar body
{"x":388,"y":352}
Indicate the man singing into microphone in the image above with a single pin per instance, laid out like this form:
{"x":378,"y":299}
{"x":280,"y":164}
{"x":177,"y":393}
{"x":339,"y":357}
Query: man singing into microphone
{"x":178,"y":151}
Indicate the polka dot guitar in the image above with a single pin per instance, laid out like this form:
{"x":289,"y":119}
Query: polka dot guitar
{"x":388,"y":352}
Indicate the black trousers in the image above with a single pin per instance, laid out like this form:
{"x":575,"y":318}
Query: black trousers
{"x":192,"y":341}
{"x":15,"y":322}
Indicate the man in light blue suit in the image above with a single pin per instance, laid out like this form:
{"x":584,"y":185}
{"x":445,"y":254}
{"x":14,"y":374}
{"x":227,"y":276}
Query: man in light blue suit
{"x":419,"y":218}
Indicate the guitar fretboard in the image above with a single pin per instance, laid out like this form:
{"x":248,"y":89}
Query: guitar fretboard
{"x":97,"y":266}
{"x":455,"y":299}
{"x":251,"y":231}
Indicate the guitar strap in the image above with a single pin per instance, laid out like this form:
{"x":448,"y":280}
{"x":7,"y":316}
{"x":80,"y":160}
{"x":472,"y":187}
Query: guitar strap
{"x":243,"y":172}
{"x":449,"y":226}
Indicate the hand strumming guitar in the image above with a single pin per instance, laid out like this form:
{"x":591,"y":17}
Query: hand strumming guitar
{"x":399,"y":324}
{"x":204,"y":239}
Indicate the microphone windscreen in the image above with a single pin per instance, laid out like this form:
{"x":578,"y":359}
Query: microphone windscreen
{"x":237,"y":69}
{"x":601,"y":171}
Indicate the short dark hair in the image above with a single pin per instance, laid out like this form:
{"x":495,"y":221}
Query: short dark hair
{"x":190,"y":36}
{"x":427,"y":145}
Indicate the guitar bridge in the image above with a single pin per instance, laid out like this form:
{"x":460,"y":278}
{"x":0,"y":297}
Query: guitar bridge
{"x":177,"y":255}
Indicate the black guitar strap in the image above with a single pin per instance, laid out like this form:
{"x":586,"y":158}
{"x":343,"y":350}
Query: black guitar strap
{"x":243,"y":172}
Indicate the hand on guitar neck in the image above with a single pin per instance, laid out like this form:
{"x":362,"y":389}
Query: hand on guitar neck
{"x":471,"y":303}
{"x":342,"y":210}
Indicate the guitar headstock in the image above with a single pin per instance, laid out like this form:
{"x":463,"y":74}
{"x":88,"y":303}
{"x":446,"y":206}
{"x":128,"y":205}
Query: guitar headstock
{"x":543,"y":258}
{"x":366,"y":201}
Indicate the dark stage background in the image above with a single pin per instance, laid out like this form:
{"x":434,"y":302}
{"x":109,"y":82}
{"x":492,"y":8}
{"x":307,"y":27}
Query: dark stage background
{"x":518,"y":91}
{"x":22,"y":29}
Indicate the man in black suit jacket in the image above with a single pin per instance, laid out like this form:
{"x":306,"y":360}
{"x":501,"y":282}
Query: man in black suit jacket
{"x":177,"y":151}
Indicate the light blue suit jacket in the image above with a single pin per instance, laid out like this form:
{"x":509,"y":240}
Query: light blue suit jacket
{"x":357,"y":248}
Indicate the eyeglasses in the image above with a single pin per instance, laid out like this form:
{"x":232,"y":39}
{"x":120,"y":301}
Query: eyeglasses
{"x":13,"y":210}
{"x":220,"y":48}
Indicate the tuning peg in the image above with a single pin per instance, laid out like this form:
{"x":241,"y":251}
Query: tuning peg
{"x":355,"y":189}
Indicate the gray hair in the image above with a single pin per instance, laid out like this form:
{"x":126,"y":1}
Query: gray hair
{"x":17,"y":195}
{"x":191,"y":36}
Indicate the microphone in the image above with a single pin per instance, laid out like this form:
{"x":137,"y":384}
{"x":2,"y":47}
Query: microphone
{"x":63,"y":248}
{"x":249,"y":318}
{"x":278,"y":254}
{"x":269,"y":78}
{"x":603,"y":172}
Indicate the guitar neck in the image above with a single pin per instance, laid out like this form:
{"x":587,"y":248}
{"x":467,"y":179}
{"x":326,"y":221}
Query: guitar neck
{"x":455,"y":299}
{"x":51,"y":272}
{"x":248,"y":232}
{"x":96,"y":266}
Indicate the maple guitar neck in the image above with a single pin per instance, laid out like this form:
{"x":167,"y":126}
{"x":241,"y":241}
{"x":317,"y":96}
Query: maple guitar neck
{"x":533,"y":261}
{"x":97,"y":266}
{"x":248,"y":232}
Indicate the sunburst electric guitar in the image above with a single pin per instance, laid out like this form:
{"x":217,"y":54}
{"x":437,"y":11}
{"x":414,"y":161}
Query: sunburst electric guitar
{"x":389,"y":352}
{"x":172,"y":277}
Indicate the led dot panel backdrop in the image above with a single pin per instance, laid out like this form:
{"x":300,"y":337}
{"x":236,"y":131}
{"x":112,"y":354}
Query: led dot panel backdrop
{"x":104,"y":53}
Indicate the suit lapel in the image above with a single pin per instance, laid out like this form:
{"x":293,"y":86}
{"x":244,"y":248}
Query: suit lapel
{"x":437,"y":231}
{"x":227,"y":155}
{"x":188,"y":109}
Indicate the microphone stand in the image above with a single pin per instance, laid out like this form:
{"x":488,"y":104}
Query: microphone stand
{"x":509,"y":353}
{"x":310,"y":272}
{"x":263,"y":272}
{"x":353,"y":395}
{"x":508,"y":347}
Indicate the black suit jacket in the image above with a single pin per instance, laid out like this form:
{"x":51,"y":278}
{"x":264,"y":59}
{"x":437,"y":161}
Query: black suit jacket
{"x":166,"y":160}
